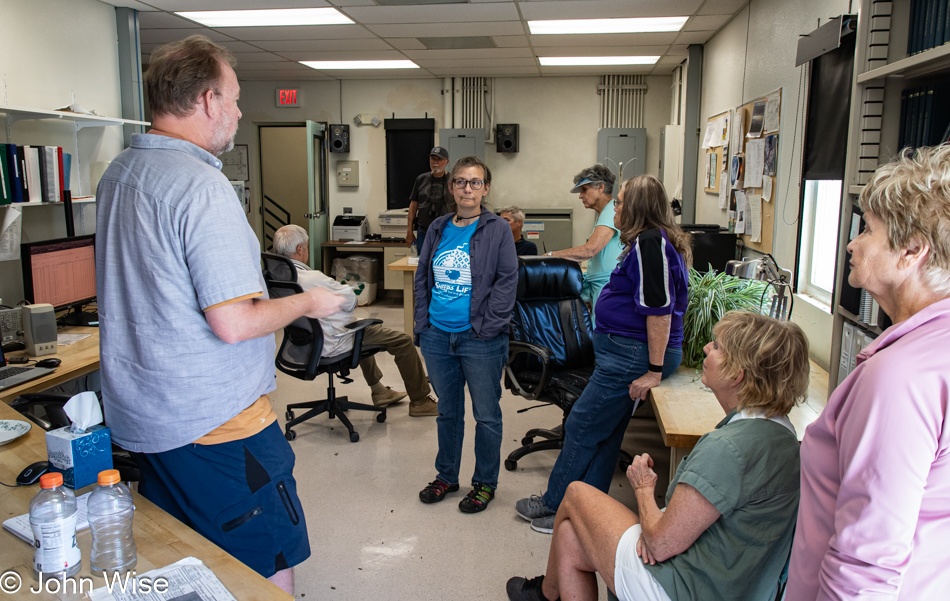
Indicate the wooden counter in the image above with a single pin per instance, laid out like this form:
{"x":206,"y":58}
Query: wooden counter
{"x":78,"y":359}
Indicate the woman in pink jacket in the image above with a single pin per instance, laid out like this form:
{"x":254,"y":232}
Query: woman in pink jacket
{"x":874,"y":517}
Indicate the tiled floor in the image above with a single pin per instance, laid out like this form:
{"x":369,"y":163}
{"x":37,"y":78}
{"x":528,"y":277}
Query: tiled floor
{"x":370,"y":535}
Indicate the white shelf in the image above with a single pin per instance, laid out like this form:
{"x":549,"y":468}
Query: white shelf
{"x":17,"y":113}
{"x":928,"y":62}
{"x":85,"y":200}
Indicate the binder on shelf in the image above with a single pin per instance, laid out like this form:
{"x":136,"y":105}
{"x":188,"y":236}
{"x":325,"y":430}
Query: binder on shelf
{"x":5,"y":194}
{"x":32,"y":169}
{"x":59,"y":173}
{"x":847,"y":343}
{"x":13,"y":167}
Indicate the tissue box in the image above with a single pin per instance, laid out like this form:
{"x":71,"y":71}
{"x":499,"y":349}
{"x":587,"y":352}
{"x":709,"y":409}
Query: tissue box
{"x":79,"y":457}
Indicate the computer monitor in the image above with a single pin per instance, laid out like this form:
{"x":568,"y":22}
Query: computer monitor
{"x":61,"y":272}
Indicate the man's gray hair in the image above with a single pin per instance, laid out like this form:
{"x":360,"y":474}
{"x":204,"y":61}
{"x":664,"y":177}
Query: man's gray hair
{"x":288,"y":238}
{"x":598,"y":174}
{"x":516,"y":213}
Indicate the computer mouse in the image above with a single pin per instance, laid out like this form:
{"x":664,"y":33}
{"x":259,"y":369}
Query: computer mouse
{"x":51,"y":362}
{"x":31,"y":473}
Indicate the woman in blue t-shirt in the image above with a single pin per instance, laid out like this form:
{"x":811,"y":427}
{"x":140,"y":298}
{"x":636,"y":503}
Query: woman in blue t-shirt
{"x":638,"y":339}
{"x":464,"y":294}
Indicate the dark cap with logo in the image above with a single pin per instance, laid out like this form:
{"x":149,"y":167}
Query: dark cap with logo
{"x":440,"y":152}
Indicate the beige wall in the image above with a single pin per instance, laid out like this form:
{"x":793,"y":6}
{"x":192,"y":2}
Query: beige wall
{"x":558,"y":120}
{"x":50,"y":50}
{"x":753,"y":55}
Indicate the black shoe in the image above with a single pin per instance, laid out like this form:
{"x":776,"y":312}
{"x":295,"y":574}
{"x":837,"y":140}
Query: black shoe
{"x":522,"y":589}
{"x":436,"y":490}
{"x":477,"y":499}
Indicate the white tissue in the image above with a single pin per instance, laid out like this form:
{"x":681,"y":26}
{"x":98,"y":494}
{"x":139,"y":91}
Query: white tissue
{"x":83,"y":411}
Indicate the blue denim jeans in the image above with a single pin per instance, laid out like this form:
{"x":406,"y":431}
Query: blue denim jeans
{"x":452,"y":359}
{"x":420,"y":238}
{"x":594,"y":429}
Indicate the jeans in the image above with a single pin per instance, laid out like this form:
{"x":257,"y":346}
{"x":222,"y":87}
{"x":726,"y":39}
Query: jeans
{"x":596,"y":424}
{"x":454,"y":358}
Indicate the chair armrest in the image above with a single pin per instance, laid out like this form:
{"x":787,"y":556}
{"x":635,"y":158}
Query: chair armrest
{"x":52,"y":403}
{"x":359,"y":326}
{"x":516,"y":348}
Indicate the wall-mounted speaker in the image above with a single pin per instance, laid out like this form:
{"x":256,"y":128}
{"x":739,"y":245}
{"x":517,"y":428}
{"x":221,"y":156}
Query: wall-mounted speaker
{"x":339,"y":137}
{"x":506,"y":137}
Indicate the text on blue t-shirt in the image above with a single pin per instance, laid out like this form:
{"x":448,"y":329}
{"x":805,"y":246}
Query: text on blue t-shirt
{"x":450,"y":307}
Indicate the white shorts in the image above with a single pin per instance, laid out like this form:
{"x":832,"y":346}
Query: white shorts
{"x":631,"y":578}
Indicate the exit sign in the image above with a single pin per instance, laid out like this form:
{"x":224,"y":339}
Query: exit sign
{"x":288,"y":98}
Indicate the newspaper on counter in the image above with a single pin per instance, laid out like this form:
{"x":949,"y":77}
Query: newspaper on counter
{"x":187,"y":578}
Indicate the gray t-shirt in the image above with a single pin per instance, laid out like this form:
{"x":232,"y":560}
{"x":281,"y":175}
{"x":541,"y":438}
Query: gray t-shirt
{"x":749,"y":470}
{"x":171,"y":241}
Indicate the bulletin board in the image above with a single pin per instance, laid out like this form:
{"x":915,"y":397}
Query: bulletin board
{"x":756,"y":181}
{"x":717,"y":128}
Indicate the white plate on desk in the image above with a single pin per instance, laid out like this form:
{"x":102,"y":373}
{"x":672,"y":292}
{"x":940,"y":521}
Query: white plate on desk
{"x":11,"y":429}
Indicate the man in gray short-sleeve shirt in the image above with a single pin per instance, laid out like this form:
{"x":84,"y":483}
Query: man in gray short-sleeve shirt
{"x":186,"y":328}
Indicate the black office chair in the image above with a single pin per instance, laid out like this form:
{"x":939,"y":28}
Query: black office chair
{"x":551,"y":352}
{"x":300,"y":353}
{"x":46,"y":411}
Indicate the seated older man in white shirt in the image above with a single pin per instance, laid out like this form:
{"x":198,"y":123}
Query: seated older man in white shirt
{"x":293,"y":242}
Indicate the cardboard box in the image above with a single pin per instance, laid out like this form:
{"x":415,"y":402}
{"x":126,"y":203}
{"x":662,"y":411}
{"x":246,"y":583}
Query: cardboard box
{"x":79,"y":457}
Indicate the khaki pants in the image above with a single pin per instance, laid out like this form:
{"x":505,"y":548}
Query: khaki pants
{"x":399,"y":345}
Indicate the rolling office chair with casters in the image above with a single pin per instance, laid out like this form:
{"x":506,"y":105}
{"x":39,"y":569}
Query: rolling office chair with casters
{"x":551,"y":352}
{"x":300,"y":353}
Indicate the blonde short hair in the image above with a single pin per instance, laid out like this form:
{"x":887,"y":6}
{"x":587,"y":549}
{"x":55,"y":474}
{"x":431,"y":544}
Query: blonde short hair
{"x":772,"y":356}
{"x":911,"y":195}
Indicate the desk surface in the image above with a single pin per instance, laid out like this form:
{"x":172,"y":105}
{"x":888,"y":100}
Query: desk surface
{"x":370,"y":245}
{"x":159,"y":538}
{"x":78,"y":359}
{"x":685,"y":409}
{"x":402,"y":265}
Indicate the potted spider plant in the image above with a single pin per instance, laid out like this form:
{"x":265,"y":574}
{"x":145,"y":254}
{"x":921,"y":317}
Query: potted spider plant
{"x":712,"y":295}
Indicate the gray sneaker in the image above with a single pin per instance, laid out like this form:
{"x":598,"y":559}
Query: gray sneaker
{"x":532,"y":508}
{"x":544,"y":525}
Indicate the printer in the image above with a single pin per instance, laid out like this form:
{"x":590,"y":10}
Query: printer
{"x":350,"y":228}
{"x":394,"y":224}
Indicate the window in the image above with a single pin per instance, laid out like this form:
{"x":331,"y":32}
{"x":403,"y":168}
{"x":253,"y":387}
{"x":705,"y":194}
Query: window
{"x":821,"y":204}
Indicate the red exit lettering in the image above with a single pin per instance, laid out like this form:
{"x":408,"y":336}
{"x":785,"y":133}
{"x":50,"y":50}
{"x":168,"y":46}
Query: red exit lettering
{"x":287,"y":97}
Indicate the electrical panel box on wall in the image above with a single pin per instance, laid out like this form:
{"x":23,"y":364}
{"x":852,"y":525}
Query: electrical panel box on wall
{"x":348,"y":173}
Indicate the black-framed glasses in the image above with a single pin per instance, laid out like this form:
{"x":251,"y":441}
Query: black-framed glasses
{"x":460,"y":183}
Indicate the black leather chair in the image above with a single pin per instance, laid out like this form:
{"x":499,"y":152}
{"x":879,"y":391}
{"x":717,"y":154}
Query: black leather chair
{"x":551,"y":352}
{"x":300,"y":353}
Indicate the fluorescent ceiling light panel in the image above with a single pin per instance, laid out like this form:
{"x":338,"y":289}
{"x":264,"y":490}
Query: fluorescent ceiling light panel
{"x":576,"y":61}
{"x":635,"y":25}
{"x":267,"y":18}
{"x":335,"y":65}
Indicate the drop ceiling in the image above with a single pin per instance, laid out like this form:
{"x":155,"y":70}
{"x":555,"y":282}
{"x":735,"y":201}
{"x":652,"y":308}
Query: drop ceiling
{"x":446,"y":38}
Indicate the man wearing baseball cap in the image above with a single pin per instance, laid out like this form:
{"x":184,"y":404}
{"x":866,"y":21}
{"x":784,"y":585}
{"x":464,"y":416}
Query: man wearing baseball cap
{"x":595,"y":185}
{"x":430,"y":197}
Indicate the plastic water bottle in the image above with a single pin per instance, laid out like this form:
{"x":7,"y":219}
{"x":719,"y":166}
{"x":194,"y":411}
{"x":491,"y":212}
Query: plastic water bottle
{"x":414,"y":251}
{"x":110,"y":518}
{"x":53,"y":521}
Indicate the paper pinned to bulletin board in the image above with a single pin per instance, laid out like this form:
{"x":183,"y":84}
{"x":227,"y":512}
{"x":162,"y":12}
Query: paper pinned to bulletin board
{"x":716,"y":144}
{"x":759,"y":159}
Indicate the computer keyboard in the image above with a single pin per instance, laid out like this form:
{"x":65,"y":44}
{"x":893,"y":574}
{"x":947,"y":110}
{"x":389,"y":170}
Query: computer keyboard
{"x":9,"y":372}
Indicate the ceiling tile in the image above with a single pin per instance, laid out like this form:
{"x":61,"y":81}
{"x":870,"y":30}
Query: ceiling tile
{"x":598,"y":70}
{"x":368,"y":55}
{"x":355,"y":2}
{"x":678,"y":50}
{"x":299,"y":32}
{"x":607,"y":39}
{"x":511,"y":41}
{"x":239,"y":47}
{"x":160,"y":20}
{"x":722,"y":7}
{"x":605,"y":9}
{"x":406,"y":43}
{"x":694,"y":37}
{"x":434,"y":30}
{"x":288,"y":76}
{"x":486,"y":53}
{"x":670,"y":60}
{"x":323,"y":45}
{"x":244,"y":58}
{"x":130,"y":4}
{"x":444,"y":13}
{"x":663,"y":69}
{"x":287,"y":66}
{"x":163,"y":36}
{"x":706,"y":23}
{"x":183,"y":5}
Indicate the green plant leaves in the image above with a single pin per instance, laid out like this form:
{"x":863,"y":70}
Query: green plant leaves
{"x":712,"y":295}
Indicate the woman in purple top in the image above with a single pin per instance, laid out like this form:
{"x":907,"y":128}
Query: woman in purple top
{"x":874,"y":517}
{"x":637,"y":340}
